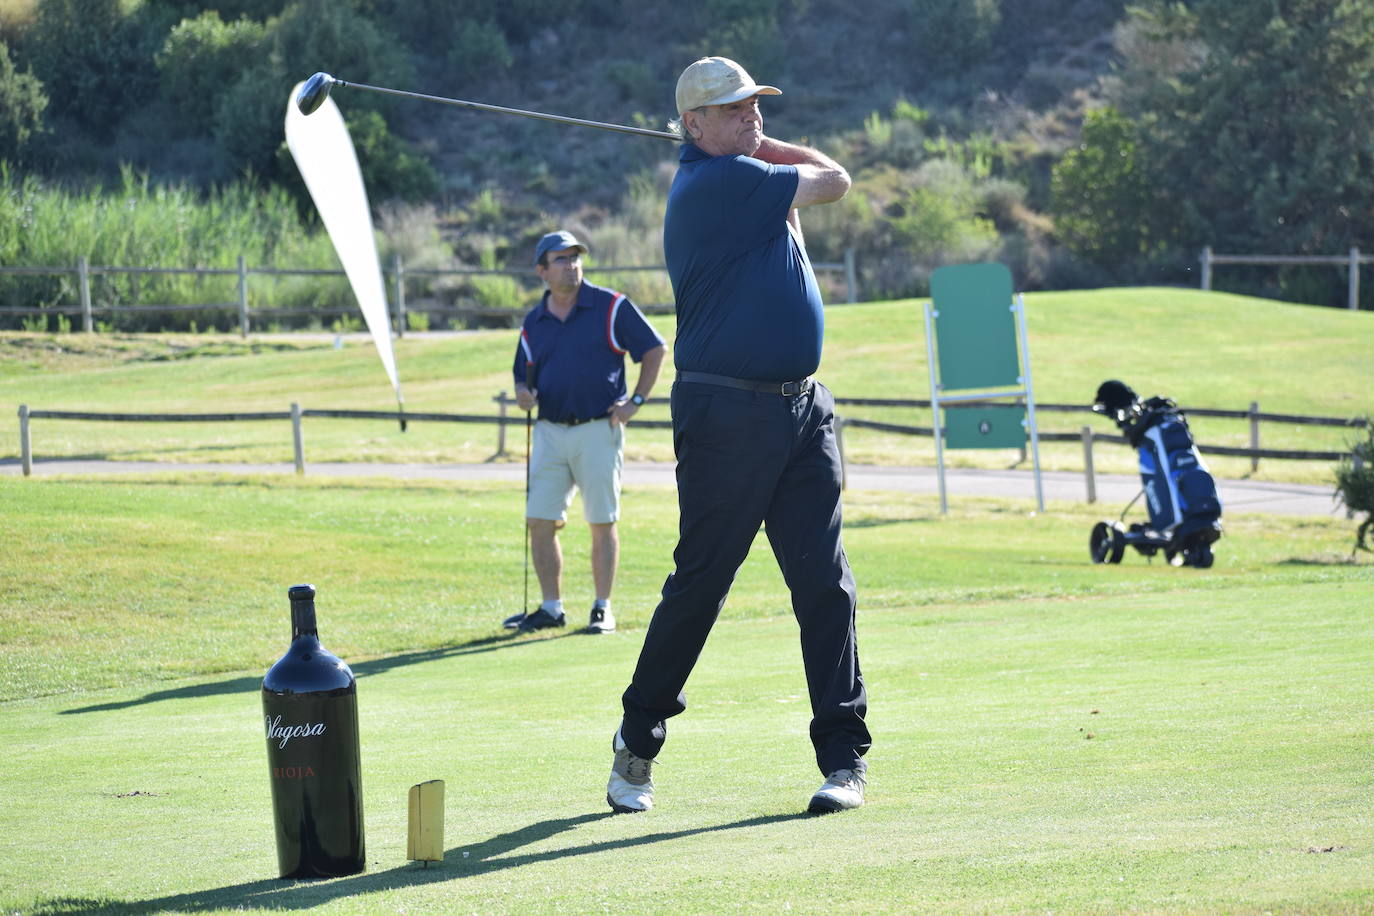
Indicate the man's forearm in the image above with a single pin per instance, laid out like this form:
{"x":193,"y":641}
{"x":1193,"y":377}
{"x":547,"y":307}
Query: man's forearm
{"x":822,"y":180}
{"x":648,"y":370}
{"x":781,"y":153}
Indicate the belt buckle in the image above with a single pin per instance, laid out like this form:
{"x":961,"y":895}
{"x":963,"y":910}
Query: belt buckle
{"x":791,"y":389}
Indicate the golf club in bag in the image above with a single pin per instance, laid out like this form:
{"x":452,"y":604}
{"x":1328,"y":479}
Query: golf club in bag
{"x":1180,"y":494}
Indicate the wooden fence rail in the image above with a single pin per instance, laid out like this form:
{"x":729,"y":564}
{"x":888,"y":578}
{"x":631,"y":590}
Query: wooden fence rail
{"x":398,"y":273}
{"x":1350,"y":261}
{"x":505,"y":418}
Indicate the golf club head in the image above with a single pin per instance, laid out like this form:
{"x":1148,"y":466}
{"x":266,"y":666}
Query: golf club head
{"x":314,"y":92}
{"x":1113,"y":397}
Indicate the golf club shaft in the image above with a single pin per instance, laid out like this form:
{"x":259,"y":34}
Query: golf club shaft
{"x":480,"y":106}
{"x":524,"y":524}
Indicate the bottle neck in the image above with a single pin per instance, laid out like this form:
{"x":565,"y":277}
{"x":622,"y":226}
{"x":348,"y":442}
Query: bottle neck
{"x":303,"y":619}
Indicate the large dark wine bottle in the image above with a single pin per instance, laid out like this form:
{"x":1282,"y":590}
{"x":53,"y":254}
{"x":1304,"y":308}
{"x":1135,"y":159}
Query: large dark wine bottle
{"x":310,"y":704}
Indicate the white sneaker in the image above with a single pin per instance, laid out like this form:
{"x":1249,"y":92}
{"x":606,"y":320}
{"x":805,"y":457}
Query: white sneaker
{"x":631,"y":789}
{"x":843,"y":789}
{"x":601,"y":620}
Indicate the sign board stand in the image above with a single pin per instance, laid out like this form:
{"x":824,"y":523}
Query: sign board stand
{"x":974,"y":330}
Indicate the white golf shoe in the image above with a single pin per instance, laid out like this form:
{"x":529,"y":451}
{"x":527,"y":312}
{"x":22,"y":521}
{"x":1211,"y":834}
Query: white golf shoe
{"x":843,"y":789}
{"x":631,"y":788}
{"x":601,"y":620}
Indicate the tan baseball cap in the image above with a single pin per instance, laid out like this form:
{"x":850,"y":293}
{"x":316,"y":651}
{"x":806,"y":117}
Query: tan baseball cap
{"x":716,"y":81}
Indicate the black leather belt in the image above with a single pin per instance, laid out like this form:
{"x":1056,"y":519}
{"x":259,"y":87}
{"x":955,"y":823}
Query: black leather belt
{"x":578,"y":421}
{"x":786,"y":389}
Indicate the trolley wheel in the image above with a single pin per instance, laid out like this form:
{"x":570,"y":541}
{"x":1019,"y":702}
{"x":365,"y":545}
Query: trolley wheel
{"x":1100,"y":542}
{"x":1106,"y":544}
{"x":1200,"y":556}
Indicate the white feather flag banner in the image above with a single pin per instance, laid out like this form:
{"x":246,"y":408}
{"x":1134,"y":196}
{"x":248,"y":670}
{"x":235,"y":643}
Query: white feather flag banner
{"x":324,"y":153}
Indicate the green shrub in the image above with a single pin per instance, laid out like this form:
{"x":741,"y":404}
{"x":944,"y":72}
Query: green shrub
{"x":951,"y":36}
{"x":95,"y":60}
{"x":1355,"y":485}
{"x":22,"y":102}
{"x":390,"y":170}
{"x":478,"y":50}
{"x":200,"y":57}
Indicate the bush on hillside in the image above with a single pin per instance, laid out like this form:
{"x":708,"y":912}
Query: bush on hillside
{"x":22,"y":101}
{"x":201,"y":57}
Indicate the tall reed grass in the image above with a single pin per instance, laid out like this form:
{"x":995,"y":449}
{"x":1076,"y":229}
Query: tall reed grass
{"x":143,"y":224}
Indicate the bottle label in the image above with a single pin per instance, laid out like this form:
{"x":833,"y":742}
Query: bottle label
{"x":284,"y":733}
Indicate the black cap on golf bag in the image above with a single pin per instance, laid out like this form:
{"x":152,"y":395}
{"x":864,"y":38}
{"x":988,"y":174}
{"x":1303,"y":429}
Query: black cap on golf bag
{"x":1114,"y":398}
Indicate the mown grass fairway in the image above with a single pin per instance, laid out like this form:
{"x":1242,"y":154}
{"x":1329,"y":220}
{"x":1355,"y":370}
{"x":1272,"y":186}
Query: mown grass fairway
{"x":1049,"y":734}
{"x":1202,"y":349}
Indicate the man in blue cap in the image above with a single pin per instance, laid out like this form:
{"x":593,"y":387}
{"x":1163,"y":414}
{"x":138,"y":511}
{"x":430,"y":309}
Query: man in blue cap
{"x":754,"y":433}
{"x":570,"y":362}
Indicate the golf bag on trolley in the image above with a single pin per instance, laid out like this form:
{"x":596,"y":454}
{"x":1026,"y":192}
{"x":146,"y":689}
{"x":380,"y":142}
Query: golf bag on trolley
{"x":1180,"y":494}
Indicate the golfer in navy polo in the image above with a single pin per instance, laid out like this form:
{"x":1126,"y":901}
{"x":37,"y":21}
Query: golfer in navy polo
{"x":570,"y":361}
{"x":753,"y":432}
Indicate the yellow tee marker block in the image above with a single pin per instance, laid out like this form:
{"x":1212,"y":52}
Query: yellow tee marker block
{"x":425,"y":840}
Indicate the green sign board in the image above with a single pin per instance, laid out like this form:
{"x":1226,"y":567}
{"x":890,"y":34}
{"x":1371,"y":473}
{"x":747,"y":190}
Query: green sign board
{"x":975,"y":328}
{"x":999,"y":426}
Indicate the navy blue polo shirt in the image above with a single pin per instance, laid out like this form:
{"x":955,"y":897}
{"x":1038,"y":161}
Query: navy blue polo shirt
{"x":579,"y":363}
{"x":747,"y":301}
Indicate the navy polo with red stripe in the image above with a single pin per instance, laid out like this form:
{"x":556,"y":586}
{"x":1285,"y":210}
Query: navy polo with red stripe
{"x":579,"y":362}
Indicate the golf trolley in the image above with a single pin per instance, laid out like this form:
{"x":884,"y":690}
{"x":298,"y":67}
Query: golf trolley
{"x":1180,"y":494}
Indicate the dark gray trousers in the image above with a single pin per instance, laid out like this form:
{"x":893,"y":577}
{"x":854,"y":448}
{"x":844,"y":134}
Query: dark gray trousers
{"x":747,"y":459}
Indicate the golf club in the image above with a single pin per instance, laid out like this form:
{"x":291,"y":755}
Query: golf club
{"x":531,"y":372}
{"x":316,"y":90}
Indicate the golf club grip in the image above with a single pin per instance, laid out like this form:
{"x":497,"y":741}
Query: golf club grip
{"x":482,"y":106}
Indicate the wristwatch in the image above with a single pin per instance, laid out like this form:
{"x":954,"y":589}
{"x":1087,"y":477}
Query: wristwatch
{"x":637,"y":399}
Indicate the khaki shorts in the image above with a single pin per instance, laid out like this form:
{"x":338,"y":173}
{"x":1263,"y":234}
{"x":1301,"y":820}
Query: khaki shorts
{"x":586,"y":457}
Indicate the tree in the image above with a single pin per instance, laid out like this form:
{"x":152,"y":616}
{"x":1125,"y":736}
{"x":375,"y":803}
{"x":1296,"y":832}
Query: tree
{"x":329,"y":35}
{"x":21,"y":107}
{"x":201,"y":57}
{"x":94,"y":59}
{"x":1102,"y":200}
{"x":1258,"y":139}
{"x":952,"y":36}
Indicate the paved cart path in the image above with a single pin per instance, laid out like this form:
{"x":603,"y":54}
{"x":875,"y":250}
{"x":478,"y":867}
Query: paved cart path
{"x":1114,"y":491}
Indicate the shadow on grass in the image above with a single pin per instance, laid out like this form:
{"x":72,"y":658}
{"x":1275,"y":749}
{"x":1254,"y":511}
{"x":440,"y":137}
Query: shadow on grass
{"x":1350,"y":560}
{"x":481,"y":859}
{"x":361,"y":670}
{"x":875,"y":522}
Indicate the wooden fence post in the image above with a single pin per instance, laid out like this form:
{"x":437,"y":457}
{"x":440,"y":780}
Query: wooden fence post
{"x":1089,"y":476}
{"x":83,"y":284}
{"x":25,"y":445}
{"x":1354,"y":295}
{"x":243,"y":297}
{"x":297,"y":437}
{"x":501,"y":427}
{"x":851,"y":276}
{"x":1254,"y":435}
{"x":400,"y":293}
{"x":1207,"y":267}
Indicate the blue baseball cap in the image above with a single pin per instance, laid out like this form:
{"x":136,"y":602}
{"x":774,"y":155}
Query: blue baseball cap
{"x":557,"y":241}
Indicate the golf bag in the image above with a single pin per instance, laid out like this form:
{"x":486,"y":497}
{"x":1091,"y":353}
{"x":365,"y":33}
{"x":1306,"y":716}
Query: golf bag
{"x":1180,"y":494}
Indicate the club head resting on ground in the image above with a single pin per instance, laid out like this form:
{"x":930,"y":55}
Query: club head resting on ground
{"x":314,"y":92}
